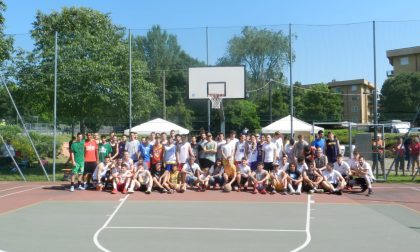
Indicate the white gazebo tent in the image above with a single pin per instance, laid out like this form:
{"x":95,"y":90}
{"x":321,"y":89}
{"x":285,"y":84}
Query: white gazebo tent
{"x":283,"y":126}
{"x":157,"y":125}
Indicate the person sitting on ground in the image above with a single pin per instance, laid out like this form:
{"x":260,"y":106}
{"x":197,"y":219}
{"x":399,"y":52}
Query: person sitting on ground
{"x":216,"y":174}
{"x":309,"y":152}
{"x":259,"y":179}
{"x":203,"y":179}
{"x":321,"y":160}
{"x":301,"y":164}
{"x":190,"y":172}
{"x":121,"y":179}
{"x":244,"y":172}
{"x":364,"y":172}
{"x":175,"y":180}
{"x":312,"y":179}
{"x":294,"y":179}
{"x":159,"y":178}
{"x":283,"y":164}
{"x":101,"y":173}
{"x":333,"y":181}
{"x":344,"y":169}
{"x":142,"y":178}
{"x":278,"y":179}
{"x":229,"y":173}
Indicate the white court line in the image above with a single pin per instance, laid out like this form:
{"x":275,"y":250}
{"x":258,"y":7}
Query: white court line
{"x":212,"y":229}
{"x":20,"y":191}
{"x":308,"y":223}
{"x":95,"y":237}
{"x":11,"y":189}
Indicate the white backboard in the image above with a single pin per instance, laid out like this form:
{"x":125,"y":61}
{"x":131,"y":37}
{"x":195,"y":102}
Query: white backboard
{"x":226,"y":81}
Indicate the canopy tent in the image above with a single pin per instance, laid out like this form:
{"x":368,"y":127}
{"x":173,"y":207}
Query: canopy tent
{"x":283,"y":125}
{"x":157,"y":125}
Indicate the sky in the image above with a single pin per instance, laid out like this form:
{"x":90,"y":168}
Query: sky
{"x":333,"y":39}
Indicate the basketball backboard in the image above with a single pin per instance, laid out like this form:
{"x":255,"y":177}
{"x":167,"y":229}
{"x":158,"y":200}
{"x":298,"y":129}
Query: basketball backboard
{"x":228,"y":82}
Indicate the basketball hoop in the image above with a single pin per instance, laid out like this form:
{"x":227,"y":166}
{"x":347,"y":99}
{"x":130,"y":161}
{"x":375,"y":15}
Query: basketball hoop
{"x":216,"y":100}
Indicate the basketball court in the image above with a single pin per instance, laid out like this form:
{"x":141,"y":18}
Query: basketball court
{"x":47,"y":217}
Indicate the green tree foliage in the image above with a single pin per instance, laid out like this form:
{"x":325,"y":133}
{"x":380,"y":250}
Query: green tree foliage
{"x":400,"y":97}
{"x":162,"y":52}
{"x":262,"y":51}
{"x":241,"y":114}
{"x":6,"y":43}
{"x":92,"y":70}
{"x":320,"y":104}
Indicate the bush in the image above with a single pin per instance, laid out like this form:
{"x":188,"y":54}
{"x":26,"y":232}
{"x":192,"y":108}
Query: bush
{"x":21,"y":143}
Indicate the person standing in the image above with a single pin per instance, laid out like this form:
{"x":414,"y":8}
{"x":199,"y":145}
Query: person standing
{"x":144,"y":151}
{"x":269,"y":154}
{"x":105,"y":149}
{"x":399,"y":151}
{"x":77,"y":156}
{"x":332,"y":148}
{"x":91,"y":159}
{"x":319,"y":142}
{"x":132,"y":147}
{"x":415,"y":154}
{"x":209,"y":152}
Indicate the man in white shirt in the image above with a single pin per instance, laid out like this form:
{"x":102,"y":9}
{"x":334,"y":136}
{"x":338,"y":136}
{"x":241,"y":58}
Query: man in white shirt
{"x":333,"y":181}
{"x":241,"y":149}
{"x":183,"y":152}
{"x":190,"y":170}
{"x":283,"y":164}
{"x":342,"y":167}
{"x":279,"y":143}
{"x":365,"y":174}
{"x":269,"y":154}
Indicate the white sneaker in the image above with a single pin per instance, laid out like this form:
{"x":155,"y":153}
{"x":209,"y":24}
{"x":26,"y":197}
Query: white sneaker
{"x":130,"y":191}
{"x":85,"y":186}
{"x":71,"y":188}
{"x":81,"y":188}
{"x":298,"y":193}
{"x":311,"y":191}
{"x":319,"y":190}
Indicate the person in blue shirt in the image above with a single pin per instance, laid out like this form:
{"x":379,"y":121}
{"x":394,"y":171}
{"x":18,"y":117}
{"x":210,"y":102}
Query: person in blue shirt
{"x":144,"y":151}
{"x":319,"y":141}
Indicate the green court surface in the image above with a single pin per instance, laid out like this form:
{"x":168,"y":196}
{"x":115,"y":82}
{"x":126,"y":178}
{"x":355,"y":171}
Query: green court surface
{"x":130,"y":224}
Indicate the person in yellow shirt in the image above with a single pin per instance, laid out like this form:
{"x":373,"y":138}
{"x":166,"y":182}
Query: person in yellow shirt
{"x":229,"y":175}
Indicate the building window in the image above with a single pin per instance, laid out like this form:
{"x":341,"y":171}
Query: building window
{"x":353,"y":88}
{"x":404,"y":61}
{"x":355,"y":98}
{"x":338,"y":90}
{"x":355,"y":109}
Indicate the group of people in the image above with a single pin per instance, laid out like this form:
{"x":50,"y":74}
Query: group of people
{"x":407,"y":149}
{"x":174,"y":163}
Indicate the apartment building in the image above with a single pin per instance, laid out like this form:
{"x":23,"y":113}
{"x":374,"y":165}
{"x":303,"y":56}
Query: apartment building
{"x":404,"y":60}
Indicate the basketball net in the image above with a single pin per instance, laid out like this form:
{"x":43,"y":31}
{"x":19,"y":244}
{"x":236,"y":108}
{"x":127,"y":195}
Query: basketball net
{"x":216,"y":100}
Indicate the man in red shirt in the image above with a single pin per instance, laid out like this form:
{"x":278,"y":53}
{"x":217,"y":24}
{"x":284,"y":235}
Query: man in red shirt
{"x":156,"y":152}
{"x":415,"y":154}
{"x":91,"y":159}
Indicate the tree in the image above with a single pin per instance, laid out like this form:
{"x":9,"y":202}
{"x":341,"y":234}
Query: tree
{"x":241,"y":114}
{"x":92,"y":70}
{"x":6,"y":43}
{"x":400,"y":97}
{"x":321,"y":104}
{"x":263,"y":52}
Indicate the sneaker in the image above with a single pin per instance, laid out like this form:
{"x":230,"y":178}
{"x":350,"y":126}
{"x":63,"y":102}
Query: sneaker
{"x":85,"y":186}
{"x":319,"y":190}
{"x":80,"y":187}
{"x":272,"y":192}
{"x":169,"y":192}
{"x":311,"y":191}
{"x":130,"y":191}
{"x":283,"y":192}
{"x":238,"y":189}
{"x":292,"y":192}
{"x":263,"y":191}
{"x":338,"y":192}
{"x":71,"y":188}
{"x":124,"y":191}
{"x":163,"y":190}
{"x":298,"y":193}
{"x":114,"y":191}
{"x":148,"y":192}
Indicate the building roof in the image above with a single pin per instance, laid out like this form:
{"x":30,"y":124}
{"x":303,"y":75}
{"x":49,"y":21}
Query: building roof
{"x":390,"y":54}
{"x":351,"y":82}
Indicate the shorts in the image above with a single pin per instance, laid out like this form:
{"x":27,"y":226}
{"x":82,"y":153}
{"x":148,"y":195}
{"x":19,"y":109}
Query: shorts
{"x":120,"y":187}
{"x":89,"y":167}
{"x":168,"y":167}
{"x":146,"y":165}
{"x":253,"y":165}
{"x":243,"y":180}
{"x":205,"y":163}
{"x":78,"y":169}
{"x":268,"y":166}
{"x":216,"y":180}
{"x":190,"y":179}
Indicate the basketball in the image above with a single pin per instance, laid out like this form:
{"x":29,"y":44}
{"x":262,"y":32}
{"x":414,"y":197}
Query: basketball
{"x":227,"y":188}
{"x":278,"y":187}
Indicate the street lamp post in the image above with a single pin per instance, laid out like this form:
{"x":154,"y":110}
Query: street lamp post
{"x":270,"y":97}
